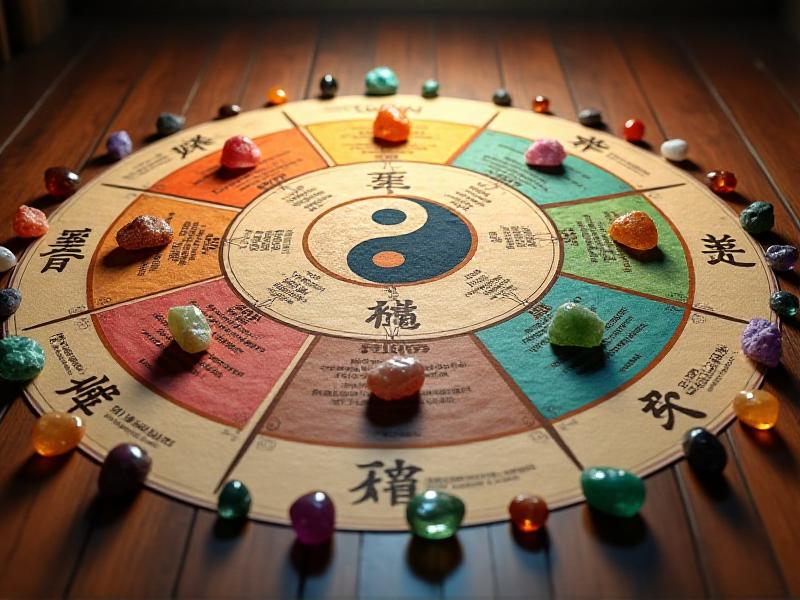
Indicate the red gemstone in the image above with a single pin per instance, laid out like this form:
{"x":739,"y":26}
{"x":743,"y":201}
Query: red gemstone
{"x":30,"y":222}
{"x":240,"y":152}
{"x":722,"y":182}
{"x":633,"y":130}
{"x":61,"y":182}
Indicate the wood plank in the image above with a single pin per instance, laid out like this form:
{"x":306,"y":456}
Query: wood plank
{"x":407,"y":45}
{"x":347,"y":50}
{"x":397,"y":565}
{"x":330,"y":571}
{"x":777,"y":53}
{"x":467,"y":64}
{"x":520,"y":562}
{"x":471,"y":572}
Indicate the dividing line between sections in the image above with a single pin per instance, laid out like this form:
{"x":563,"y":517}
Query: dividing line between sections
{"x":634,"y":192}
{"x":185,"y":199}
{"x":311,"y":140}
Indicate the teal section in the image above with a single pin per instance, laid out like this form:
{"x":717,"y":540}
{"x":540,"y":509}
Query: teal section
{"x":502,"y":156}
{"x":560,"y":380}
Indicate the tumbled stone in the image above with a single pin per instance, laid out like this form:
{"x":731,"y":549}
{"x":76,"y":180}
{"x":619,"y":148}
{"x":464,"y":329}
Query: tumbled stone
{"x":234,"y":500}
{"x":240,"y":152}
{"x":501,"y":97}
{"x":391,"y":124}
{"x":675,"y":150}
{"x":545,"y":153}
{"x":781,"y":257}
{"x":61,"y":182}
{"x":396,"y":378}
{"x":576,"y":325}
{"x":30,"y":222}
{"x":328,"y":86}
{"x":228,"y":110}
{"x":169,"y":123}
{"x":761,"y":342}
{"x":381,"y":81}
{"x":313,"y":518}
{"x":757,"y":217}
{"x":145,"y":231}
{"x":277,"y":95}
{"x":635,"y":229}
{"x":435,"y":515}
{"x":124,"y":470}
{"x":784,"y":304}
{"x":7,"y":259}
{"x":756,"y":408}
{"x":614,"y":491}
{"x":540,"y":104}
{"x":722,"y":182}
{"x":21,"y":358}
{"x":119,"y":145}
{"x":189,"y":328}
{"x":590,"y":117}
{"x":704,"y":452}
{"x":430,"y":88}
{"x":57,"y":433}
{"x":633,"y":130}
{"x":10,"y":299}
{"x":528,"y":512}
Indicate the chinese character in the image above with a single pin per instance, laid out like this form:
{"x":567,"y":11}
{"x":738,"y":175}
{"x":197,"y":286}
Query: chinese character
{"x":589,"y":143}
{"x":657,"y":404}
{"x":401,"y":484}
{"x":68,"y":245}
{"x":389,"y":181}
{"x":401,"y":315}
{"x":370,"y":484}
{"x":724,"y":249}
{"x":89,"y":392}
{"x":198,"y":142}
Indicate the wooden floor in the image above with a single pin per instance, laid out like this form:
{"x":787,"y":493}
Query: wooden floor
{"x":733,"y":92}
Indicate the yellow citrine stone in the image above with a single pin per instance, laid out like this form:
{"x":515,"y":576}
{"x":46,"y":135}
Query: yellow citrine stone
{"x":756,"y":408}
{"x":57,"y":433}
{"x":635,"y":230}
{"x":277,"y":95}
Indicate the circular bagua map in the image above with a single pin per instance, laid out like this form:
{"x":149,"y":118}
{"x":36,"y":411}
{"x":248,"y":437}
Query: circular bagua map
{"x":336,"y":253}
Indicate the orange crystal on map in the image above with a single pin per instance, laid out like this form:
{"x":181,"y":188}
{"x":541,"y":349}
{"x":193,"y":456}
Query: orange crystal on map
{"x":396,"y":378}
{"x":30,"y":222}
{"x":57,"y":433}
{"x":635,"y":230}
{"x":540,"y":104}
{"x":277,"y":95}
{"x":391,"y":124}
{"x":528,"y":512}
{"x":722,"y":182}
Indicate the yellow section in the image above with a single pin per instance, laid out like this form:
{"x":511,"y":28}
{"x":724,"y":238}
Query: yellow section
{"x":349,"y":142}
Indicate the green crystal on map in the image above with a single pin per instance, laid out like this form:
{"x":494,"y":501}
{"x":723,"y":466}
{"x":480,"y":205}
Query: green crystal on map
{"x":757,"y":217}
{"x":435,"y":515}
{"x":234,"y":500}
{"x":575,"y":325}
{"x":21,"y":358}
{"x":189,"y":327}
{"x":615,"y":491}
{"x":381,"y":81}
{"x":784,"y":303}
{"x":430,"y":88}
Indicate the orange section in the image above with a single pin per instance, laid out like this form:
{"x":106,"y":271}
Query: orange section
{"x":388,"y":259}
{"x":116,"y":274}
{"x":284,"y":154}
{"x":464,"y":398}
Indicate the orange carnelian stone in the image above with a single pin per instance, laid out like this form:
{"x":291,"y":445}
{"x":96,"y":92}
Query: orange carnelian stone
{"x":722,"y":182}
{"x":277,"y":95}
{"x":541,"y":104}
{"x":635,"y":230}
{"x":30,"y":222}
{"x":391,"y":124}
{"x":633,"y":130}
{"x":57,"y":433}
{"x":396,"y":378}
{"x":528,"y":512}
{"x":757,"y":408}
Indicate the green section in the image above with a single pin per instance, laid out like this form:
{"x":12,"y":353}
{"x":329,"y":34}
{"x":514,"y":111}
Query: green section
{"x":502,"y":156}
{"x":589,"y":251}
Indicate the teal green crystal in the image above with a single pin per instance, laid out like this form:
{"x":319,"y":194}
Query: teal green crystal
{"x":21,"y":358}
{"x":615,"y":491}
{"x":757,"y":217}
{"x":784,"y":304}
{"x":435,"y":515}
{"x":381,"y":81}
{"x":189,"y":328}
{"x":234,"y":500}
{"x":575,"y":325}
{"x":430,"y":88}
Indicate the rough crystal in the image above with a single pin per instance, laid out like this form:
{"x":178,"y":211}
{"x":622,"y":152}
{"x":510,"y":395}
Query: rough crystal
{"x":528,"y":512}
{"x":781,"y":257}
{"x":30,"y":222}
{"x":575,"y":325}
{"x":10,"y":299}
{"x":145,"y":231}
{"x":545,"y":153}
{"x":784,"y":304}
{"x":435,"y":515}
{"x":119,"y":145}
{"x":704,"y":451}
{"x":240,"y":152}
{"x":234,"y":500}
{"x":761,"y":342}
{"x":381,"y":81}
{"x":21,"y":358}
{"x":396,"y":378}
{"x":758,"y":217}
{"x":124,"y":470}
{"x":614,"y":491}
{"x":313,"y":518}
{"x":169,"y":123}
{"x":61,"y":182}
{"x":57,"y":433}
{"x":391,"y":124}
{"x":635,"y":229}
{"x":756,"y":408}
{"x":189,"y":328}
{"x":7,"y":259}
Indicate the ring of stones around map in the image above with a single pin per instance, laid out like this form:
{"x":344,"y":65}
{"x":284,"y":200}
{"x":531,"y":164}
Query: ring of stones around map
{"x":432,"y":231}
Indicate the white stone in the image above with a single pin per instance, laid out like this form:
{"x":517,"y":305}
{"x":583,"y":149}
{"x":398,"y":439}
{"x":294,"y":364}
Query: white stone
{"x":675,"y":150}
{"x":7,"y":259}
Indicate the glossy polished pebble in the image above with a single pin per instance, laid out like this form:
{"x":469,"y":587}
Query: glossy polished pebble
{"x":10,"y":299}
{"x":430,"y":88}
{"x":277,"y":95}
{"x":781,"y":257}
{"x":240,"y":152}
{"x":633,"y":130}
{"x":381,"y":81}
{"x":234,"y":500}
{"x":391,"y":124}
{"x":119,"y":145}
{"x":124,"y":470}
{"x":635,"y":229}
{"x":704,"y":452}
{"x":229,"y":110}
{"x":577,"y":326}
{"x":590,"y":117}
{"x":540,"y":104}
{"x":30,"y":222}
{"x":721,"y":182}
{"x":757,"y":217}
{"x":761,"y":342}
{"x":756,"y":408}
{"x":545,"y":153}
{"x":145,"y":231}
{"x":615,"y":491}
{"x":501,"y":97}
{"x":313,"y":518}
{"x":189,"y":328}
{"x":169,"y":123}
{"x":61,"y":182}
{"x":675,"y":150}
{"x":396,"y":378}
{"x":57,"y":433}
{"x":784,"y":304}
{"x":328,"y":86}
{"x":435,"y":515}
{"x":528,"y":512}
{"x":21,"y":358}
{"x":7,"y":259}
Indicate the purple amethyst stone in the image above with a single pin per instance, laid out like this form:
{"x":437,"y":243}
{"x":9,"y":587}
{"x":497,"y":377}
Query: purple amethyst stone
{"x":119,"y":144}
{"x":781,"y":258}
{"x":761,"y":342}
{"x":124,"y":470}
{"x":313,"y":518}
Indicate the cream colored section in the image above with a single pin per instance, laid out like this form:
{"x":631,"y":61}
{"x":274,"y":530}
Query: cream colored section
{"x":619,"y":433}
{"x":485,"y":475}
{"x":348,"y":108}
{"x":736,"y":291}
{"x":445,"y":306}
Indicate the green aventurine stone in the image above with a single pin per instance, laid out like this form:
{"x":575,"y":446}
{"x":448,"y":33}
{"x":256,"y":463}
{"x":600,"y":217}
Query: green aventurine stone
{"x":757,"y":217}
{"x":434,"y":515}
{"x":189,"y":327}
{"x":575,"y":325}
{"x":21,"y":358}
{"x":381,"y":81}
{"x":430,"y":88}
{"x":234,"y":500}
{"x":615,"y":491}
{"x":784,"y":303}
